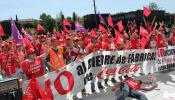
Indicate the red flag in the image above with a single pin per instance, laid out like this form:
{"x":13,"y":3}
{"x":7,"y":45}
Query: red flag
{"x":143,"y":32}
{"x":48,"y":90}
{"x":118,"y":38}
{"x":1,"y":31}
{"x":27,"y":42}
{"x":66,"y":23}
{"x":118,"y":34}
{"x":100,"y":27}
{"x":120,"y":26}
{"x":66,"y":30}
{"x":33,"y":91}
{"x":146,"y":11}
{"x":40,"y":28}
{"x":110,"y":22}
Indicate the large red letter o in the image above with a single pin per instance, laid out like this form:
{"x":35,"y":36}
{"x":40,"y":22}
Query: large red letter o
{"x":58,"y":84}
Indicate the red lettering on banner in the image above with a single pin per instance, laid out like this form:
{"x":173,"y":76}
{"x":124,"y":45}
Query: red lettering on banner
{"x":111,"y":71}
{"x":135,"y":68}
{"x":124,"y":69}
{"x":161,"y":52}
{"x":58,"y":85}
{"x":119,"y":70}
{"x":168,"y":60}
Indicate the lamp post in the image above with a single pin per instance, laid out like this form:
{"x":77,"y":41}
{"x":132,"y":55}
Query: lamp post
{"x":95,"y":16}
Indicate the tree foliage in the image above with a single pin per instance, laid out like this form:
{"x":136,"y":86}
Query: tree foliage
{"x":6,"y":24}
{"x":154,"y":6}
{"x":48,"y":22}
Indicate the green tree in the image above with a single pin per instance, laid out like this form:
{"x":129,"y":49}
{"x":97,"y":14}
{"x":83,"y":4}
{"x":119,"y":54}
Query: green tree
{"x":48,"y":22}
{"x":61,"y":16}
{"x":154,"y":6}
{"x":35,"y":23}
{"x":69,"y":19}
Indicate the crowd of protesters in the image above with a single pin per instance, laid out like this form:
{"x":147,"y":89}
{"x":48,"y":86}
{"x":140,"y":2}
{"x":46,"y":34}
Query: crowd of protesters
{"x":40,"y":54}
{"x":51,"y":52}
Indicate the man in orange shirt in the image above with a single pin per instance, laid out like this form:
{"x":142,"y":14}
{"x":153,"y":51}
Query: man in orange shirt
{"x":55,"y":58}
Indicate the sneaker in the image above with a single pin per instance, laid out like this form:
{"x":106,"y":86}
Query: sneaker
{"x":93,"y":91}
{"x":100,"y":86}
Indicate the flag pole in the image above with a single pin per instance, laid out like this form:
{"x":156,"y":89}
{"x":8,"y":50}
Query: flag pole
{"x":113,"y":27}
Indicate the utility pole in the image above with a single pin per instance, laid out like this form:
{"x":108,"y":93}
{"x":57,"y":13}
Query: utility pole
{"x":95,"y":16}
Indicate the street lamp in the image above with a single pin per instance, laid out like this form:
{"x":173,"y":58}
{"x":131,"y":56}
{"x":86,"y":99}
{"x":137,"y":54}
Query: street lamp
{"x":95,"y":13}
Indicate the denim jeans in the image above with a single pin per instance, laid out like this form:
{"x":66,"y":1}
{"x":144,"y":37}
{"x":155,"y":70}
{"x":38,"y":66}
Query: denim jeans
{"x":123,"y":93}
{"x":126,"y":92}
{"x":137,"y":95}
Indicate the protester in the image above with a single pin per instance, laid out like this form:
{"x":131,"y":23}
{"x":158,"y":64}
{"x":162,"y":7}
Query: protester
{"x":68,"y":46}
{"x":33,"y":65}
{"x":172,"y":38}
{"x":7,"y":61}
{"x":55,"y":58}
{"x":129,"y":88}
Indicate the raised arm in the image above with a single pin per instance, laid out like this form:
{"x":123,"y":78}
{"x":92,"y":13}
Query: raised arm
{"x":144,"y":20}
{"x":43,"y":56}
{"x":153,"y":20}
{"x":32,"y":31}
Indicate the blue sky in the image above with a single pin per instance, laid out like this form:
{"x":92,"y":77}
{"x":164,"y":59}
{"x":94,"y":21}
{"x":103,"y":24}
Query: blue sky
{"x":33,"y":8}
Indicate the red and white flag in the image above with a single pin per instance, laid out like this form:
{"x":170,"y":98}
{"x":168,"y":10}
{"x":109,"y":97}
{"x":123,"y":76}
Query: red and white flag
{"x":110,"y":22}
{"x":103,"y":29}
{"x":120,"y":26}
{"x":66,"y":23}
{"x":146,"y":11}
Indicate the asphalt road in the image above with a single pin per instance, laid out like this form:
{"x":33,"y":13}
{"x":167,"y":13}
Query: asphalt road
{"x":164,"y":91}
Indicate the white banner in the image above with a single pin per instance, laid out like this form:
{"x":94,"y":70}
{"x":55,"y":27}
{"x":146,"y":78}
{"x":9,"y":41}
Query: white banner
{"x":165,"y":58}
{"x":100,"y":65}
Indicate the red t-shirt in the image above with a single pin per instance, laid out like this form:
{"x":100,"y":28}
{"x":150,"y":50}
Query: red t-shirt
{"x":134,"y":44}
{"x":7,"y":63}
{"x":105,"y":46}
{"x":43,"y":48}
{"x":87,"y":41}
{"x":161,"y":41}
{"x":34,"y":68}
{"x":132,"y":84}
